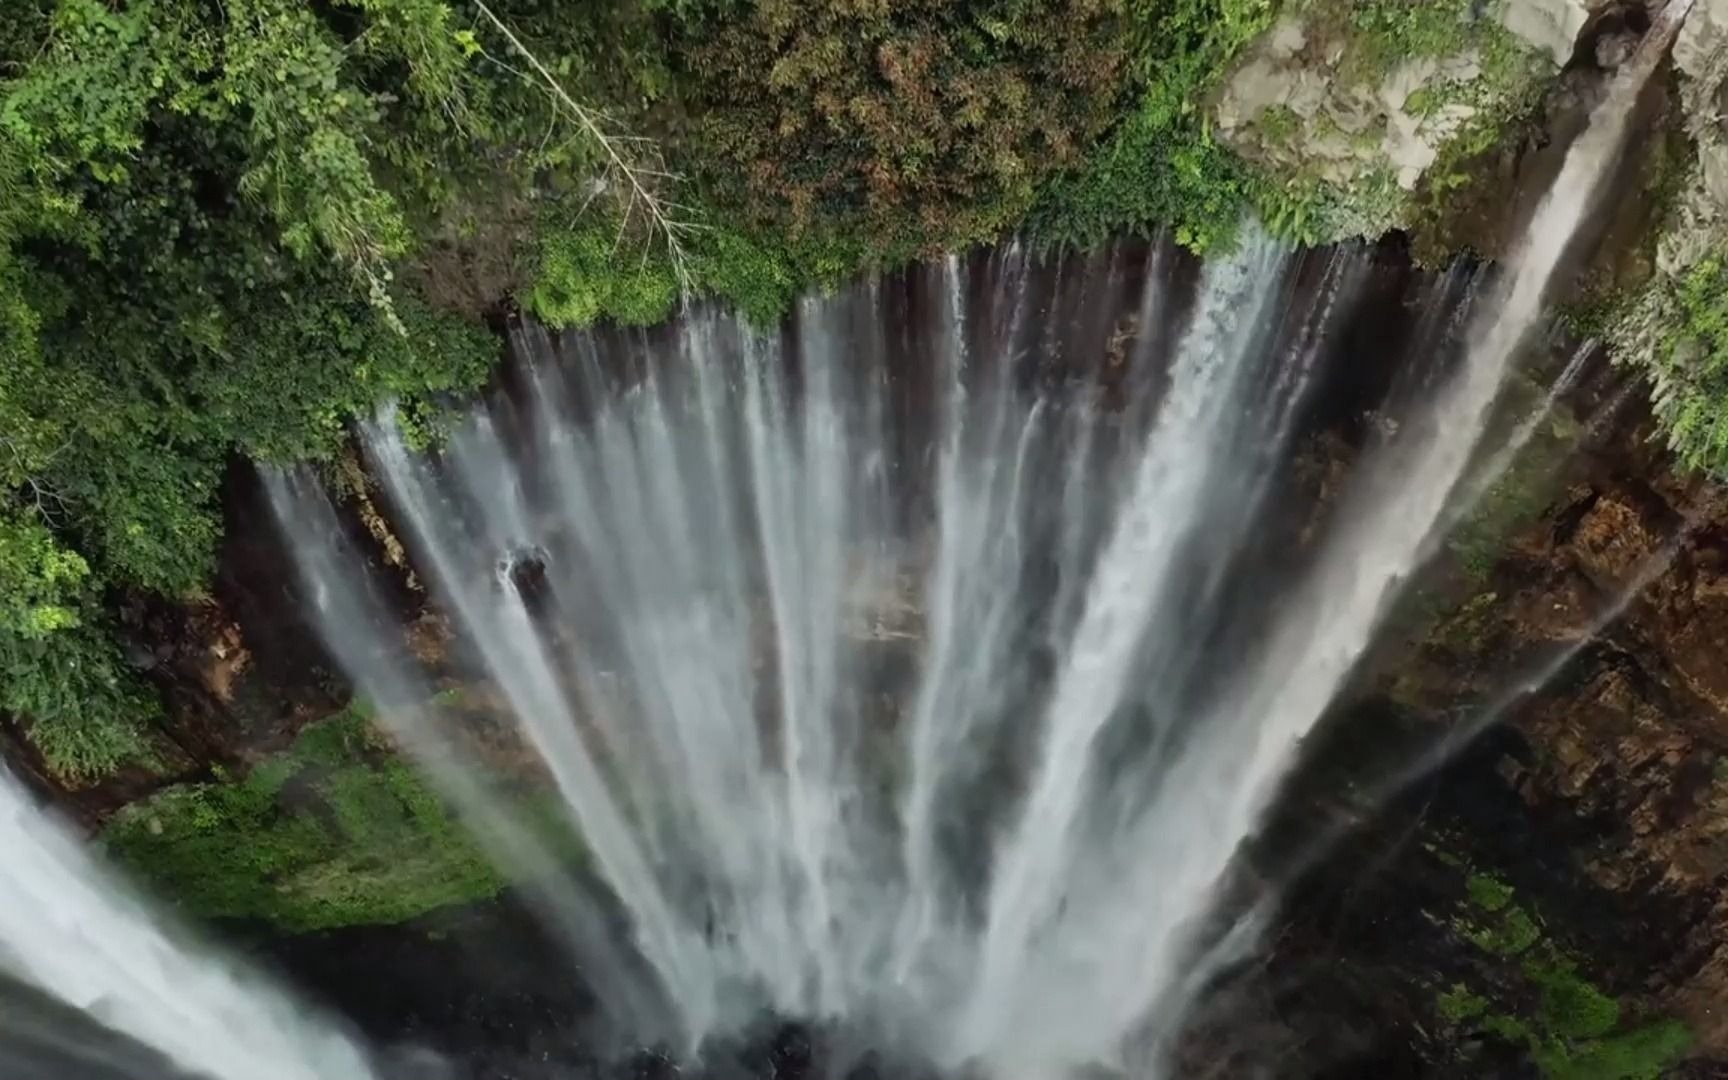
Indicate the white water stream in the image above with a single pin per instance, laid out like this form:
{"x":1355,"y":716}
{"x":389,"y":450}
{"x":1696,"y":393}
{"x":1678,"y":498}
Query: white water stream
{"x":718,"y":556}
{"x":76,"y":931}
{"x":920,"y":689}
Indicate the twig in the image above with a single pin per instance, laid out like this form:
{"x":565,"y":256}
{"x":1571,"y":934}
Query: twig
{"x":44,"y":498}
{"x":659,"y":216}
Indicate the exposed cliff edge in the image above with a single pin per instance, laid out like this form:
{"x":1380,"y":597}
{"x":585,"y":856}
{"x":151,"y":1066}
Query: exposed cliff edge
{"x":1554,"y":893}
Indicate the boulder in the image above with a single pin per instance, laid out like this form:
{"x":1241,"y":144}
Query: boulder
{"x":1549,"y":25}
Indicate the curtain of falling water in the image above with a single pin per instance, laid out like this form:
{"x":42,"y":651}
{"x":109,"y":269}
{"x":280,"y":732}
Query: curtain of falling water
{"x":70,"y":928}
{"x":730,"y":532}
{"x":682,"y":561}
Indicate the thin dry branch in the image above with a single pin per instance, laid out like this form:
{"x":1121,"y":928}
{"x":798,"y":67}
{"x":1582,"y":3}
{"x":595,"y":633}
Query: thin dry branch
{"x":41,"y":495}
{"x":634,"y":174}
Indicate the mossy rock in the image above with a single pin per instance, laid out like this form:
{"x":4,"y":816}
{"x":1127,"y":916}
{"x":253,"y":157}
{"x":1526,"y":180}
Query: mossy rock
{"x":335,"y":831}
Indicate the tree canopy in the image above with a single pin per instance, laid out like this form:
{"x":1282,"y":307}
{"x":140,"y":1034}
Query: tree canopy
{"x":230,"y":226}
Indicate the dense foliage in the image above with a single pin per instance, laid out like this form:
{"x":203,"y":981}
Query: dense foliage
{"x":1690,"y":363}
{"x":229,"y":226}
{"x":1160,"y":164}
{"x":203,"y":207}
{"x":818,"y":139}
{"x":915,"y":123}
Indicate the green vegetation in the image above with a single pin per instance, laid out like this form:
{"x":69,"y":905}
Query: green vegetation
{"x":1278,"y":123}
{"x":334,"y":831}
{"x":1510,"y":933}
{"x":913,"y":127}
{"x":1161,"y":165}
{"x":201,"y":209}
{"x":1530,"y":993}
{"x":1389,"y":32}
{"x":1458,"y":1004}
{"x":1488,"y":893}
{"x":228,"y":226}
{"x":1690,"y":363}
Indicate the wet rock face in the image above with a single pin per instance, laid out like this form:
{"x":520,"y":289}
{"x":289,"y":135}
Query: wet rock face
{"x":1549,"y":25}
{"x":1604,"y":799}
{"x":239,"y":670}
{"x":523,"y":569}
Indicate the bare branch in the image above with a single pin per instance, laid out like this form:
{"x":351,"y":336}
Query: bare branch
{"x":42,"y":496}
{"x":634,"y":174}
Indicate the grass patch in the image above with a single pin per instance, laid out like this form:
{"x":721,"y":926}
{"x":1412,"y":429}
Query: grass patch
{"x":334,"y":831}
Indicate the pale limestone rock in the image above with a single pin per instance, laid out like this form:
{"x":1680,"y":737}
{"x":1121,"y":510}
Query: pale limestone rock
{"x":1256,"y":86}
{"x":1703,"y":38}
{"x":1713,"y":170}
{"x":1308,"y":96}
{"x":1450,"y":120}
{"x":1404,"y":80}
{"x":1345,"y":131}
{"x":1338,"y":127}
{"x":1406,"y":150}
{"x":1701,"y":54}
{"x":1286,"y":38}
{"x":1549,"y":25}
{"x":1612,"y":50}
{"x":1353,"y":116}
{"x":1462,"y":67}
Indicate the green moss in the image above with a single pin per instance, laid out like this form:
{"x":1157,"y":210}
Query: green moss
{"x":1465,"y":627}
{"x":334,"y":831}
{"x":1508,"y":1027}
{"x":1458,"y":1004}
{"x":1392,"y":31}
{"x":1277,"y":123}
{"x":1643,"y":1053}
{"x":1570,"y":1028}
{"x":1425,"y":101}
{"x":1508,"y":933}
{"x":1514,"y":500}
{"x":1572,"y":1008}
{"x":1488,"y":892}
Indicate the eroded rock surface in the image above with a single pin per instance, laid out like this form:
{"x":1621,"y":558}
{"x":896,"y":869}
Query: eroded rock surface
{"x":1605,"y":796}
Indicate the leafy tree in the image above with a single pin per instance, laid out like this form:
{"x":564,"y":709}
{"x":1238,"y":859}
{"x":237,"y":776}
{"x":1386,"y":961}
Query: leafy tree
{"x":221,"y":222}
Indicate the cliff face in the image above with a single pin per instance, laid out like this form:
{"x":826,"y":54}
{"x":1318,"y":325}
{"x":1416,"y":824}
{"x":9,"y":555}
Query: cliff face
{"x":1625,"y":751}
{"x":1507,"y":853}
{"x":1552,"y":897}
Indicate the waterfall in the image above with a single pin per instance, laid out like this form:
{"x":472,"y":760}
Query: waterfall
{"x":917,"y":669}
{"x":74,"y":930}
{"x":692,"y":559}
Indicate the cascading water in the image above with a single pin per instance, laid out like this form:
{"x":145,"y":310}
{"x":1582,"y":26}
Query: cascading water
{"x":75,"y":931}
{"x":720,"y":544}
{"x":925,"y":685}
{"x":687,"y":562}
